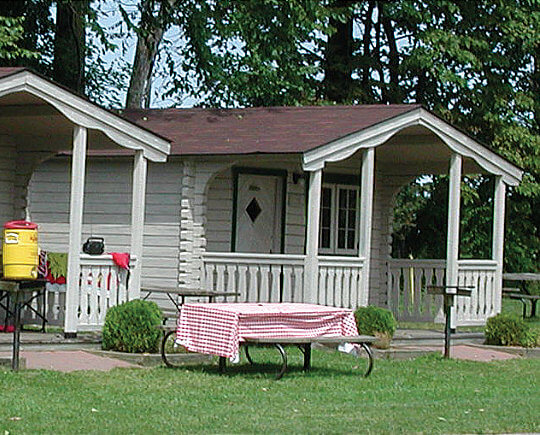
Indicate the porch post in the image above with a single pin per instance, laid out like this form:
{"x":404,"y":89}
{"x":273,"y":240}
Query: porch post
{"x":78,"y":162}
{"x":498,"y":238}
{"x":137,"y":222}
{"x":452,"y":240}
{"x":366,"y":217}
{"x":311,"y":264}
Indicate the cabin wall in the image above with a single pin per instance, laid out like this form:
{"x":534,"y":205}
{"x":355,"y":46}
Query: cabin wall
{"x":8,"y":158}
{"x":220,"y":208}
{"x":107,"y":211}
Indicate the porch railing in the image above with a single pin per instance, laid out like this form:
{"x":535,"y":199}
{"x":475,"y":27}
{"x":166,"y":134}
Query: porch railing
{"x":256,"y":277}
{"x":102,"y":285}
{"x":408,"y":300}
{"x":485,"y":298}
{"x":280,"y":277}
{"x":406,"y":289}
{"x":340,"y":281}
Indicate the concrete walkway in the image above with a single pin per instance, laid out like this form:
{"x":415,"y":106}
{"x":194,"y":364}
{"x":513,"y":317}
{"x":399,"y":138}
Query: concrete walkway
{"x":68,"y":361}
{"x":51,"y":351}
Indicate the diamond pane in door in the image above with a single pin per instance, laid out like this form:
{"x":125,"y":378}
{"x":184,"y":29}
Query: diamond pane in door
{"x":253,"y":209}
{"x":258,"y":225}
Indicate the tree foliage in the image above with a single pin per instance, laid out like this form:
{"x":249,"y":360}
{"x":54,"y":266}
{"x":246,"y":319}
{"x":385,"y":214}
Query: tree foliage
{"x":475,"y":64}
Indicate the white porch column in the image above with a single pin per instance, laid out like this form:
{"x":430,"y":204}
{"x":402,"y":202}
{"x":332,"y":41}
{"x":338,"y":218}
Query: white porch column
{"x":452,"y":240}
{"x":78,"y":162}
{"x":498,"y":237}
{"x":311,"y":265}
{"x":366,"y":218}
{"x":137,"y":222}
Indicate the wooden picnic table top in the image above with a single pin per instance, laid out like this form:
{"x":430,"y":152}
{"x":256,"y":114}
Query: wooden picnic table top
{"x":187,"y":292}
{"x":521,"y":276}
{"x":21,"y":285}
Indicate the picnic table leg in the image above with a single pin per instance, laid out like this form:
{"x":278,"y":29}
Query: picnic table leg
{"x":367,"y":348}
{"x":16,"y":333}
{"x":307,"y":356}
{"x":248,"y":356}
{"x":222,"y":364}
{"x":284,"y":358}
{"x":533,"y":307}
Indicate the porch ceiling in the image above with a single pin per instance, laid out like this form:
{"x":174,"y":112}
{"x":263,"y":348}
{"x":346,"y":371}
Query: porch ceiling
{"x":40,"y":127}
{"x":415,"y":142}
{"x":42,"y":114}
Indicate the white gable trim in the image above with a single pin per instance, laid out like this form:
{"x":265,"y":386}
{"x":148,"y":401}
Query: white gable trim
{"x":378,"y":134}
{"x":87,"y":114}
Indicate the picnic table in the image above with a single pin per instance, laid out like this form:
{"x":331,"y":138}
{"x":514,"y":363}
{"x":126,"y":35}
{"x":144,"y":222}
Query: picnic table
{"x":221,"y":328}
{"x":18,"y":290}
{"x":521,"y":293}
{"x":175,"y":293}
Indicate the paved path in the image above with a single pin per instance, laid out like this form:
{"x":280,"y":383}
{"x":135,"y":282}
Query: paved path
{"x":68,"y":361}
{"x":464,"y":352}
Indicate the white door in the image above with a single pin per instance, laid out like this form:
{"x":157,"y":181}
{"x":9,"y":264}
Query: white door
{"x":258,"y":213}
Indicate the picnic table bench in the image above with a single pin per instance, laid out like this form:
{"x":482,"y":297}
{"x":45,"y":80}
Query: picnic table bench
{"x":521,"y":293}
{"x":303,"y":343}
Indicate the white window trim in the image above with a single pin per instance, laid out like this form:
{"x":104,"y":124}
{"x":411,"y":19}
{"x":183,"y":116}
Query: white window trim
{"x":334,"y":208}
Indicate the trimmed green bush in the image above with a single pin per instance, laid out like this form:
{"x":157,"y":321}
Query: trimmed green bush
{"x":132,"y":327}
{"x":509,"y":330}
{"x":376,"y":321}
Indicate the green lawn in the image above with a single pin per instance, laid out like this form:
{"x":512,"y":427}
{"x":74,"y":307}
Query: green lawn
{"x":428,"y":395}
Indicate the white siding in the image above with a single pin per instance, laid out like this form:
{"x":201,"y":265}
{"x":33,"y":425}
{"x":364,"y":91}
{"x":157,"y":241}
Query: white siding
{"x":107,"y":211}
{"x":8,"y":155}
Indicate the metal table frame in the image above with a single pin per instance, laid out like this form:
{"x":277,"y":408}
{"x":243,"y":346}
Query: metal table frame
{"x":18,"y":289}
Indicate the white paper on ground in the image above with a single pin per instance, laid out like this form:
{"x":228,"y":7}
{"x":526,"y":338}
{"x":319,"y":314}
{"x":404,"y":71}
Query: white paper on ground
{"x":348,"y":348}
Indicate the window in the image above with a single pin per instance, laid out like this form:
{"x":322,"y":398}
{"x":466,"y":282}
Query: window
{"x":339,"y":219}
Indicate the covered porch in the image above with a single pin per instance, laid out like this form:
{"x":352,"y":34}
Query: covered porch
{"x":38,"y":119}
{"x":329,"y":241}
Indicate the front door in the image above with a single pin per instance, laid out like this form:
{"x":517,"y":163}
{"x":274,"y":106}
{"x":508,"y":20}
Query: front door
{"x":258,"y":213}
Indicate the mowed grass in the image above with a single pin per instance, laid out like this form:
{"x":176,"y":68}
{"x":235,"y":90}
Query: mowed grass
{"x":426,"y":395}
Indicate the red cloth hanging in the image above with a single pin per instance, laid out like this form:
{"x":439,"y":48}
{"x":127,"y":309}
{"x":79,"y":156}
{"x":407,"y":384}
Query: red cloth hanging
{"x":121,"y":259}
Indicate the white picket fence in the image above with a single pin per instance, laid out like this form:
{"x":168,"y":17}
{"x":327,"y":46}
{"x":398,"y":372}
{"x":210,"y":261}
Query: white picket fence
{"x":408,"y":299}
{"x":280,"y":277}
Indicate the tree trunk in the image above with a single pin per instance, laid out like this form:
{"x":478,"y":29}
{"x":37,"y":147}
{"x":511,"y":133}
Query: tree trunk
{"x":338,"y":64}
{"x":149,"y":37}
{"x":70,"y":44}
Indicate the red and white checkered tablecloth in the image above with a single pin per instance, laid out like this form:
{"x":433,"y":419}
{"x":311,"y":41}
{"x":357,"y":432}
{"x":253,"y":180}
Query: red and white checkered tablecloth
{"x":218,"y":329}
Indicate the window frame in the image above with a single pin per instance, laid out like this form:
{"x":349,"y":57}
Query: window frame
{"x":335,"y":189}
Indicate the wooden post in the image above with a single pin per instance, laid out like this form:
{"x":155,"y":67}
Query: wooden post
{"x":498,"y":238}
{"x":78,"y":162}
{"x":137,"y":222}
{"x":366,"y":218}
{"x":311,"y":264}
{"x":452,"y":241}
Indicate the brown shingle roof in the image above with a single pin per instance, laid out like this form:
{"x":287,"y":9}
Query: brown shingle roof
{"x":262,"y":129}
{"x":7,"y":71}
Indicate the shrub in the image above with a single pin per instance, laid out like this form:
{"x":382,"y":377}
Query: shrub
{"x":509,"y":330}
{"x":376,"y":321}
{"x":132,"y":327}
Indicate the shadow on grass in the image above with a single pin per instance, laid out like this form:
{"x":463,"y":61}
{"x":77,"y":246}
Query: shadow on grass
{"x":353,"y":367}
